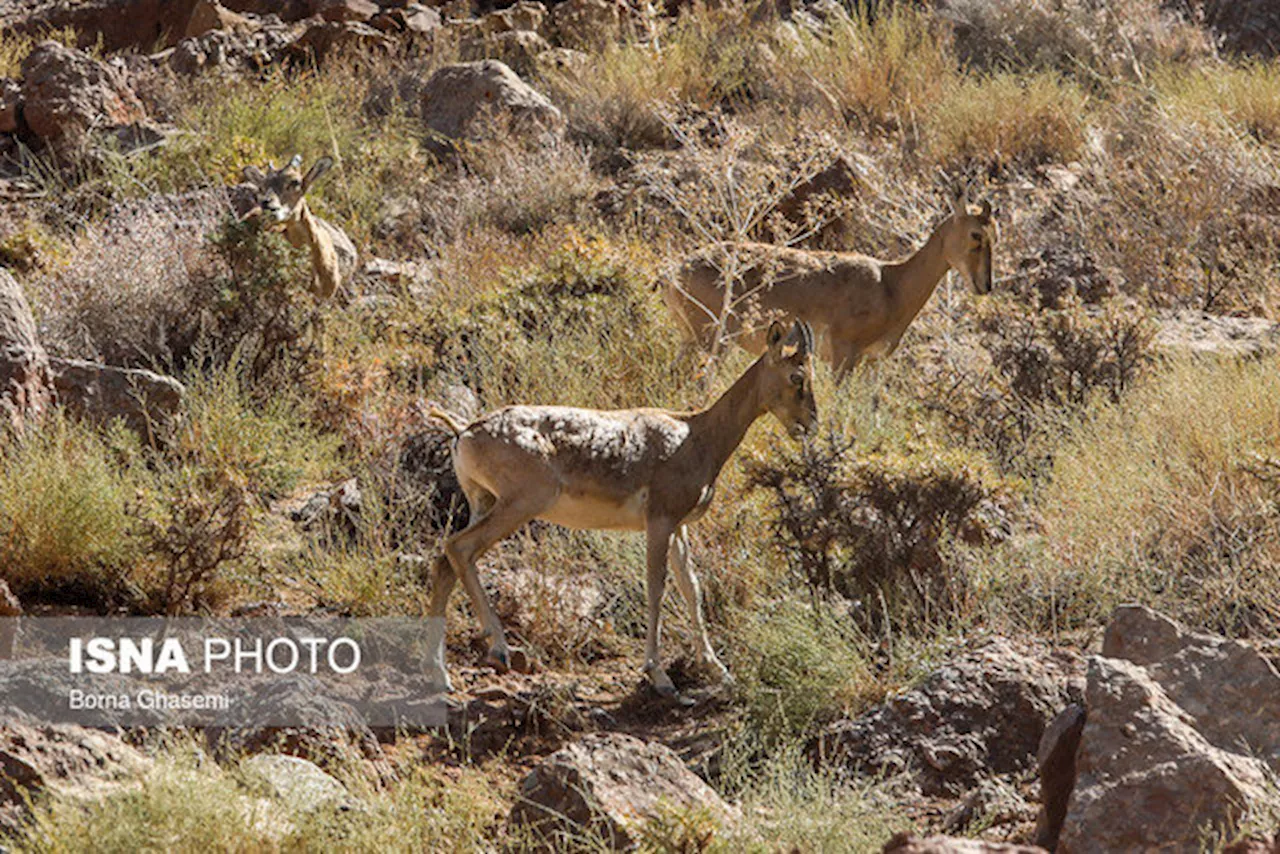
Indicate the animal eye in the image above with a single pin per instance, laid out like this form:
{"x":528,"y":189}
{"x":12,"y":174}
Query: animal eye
{"x":295,"y":183}
{"x":797,"y":379}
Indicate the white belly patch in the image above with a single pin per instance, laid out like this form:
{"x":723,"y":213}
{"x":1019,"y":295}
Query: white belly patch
{"x":596,"y":512}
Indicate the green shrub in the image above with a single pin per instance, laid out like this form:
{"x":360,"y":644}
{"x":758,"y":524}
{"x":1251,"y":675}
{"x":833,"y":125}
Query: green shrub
{"x":268,"y":446}
{"x":799,"y":666}
{"x":64,"y":525}
{"x":580,"y":328}
{"x":873,"y":526}
{"x":1166,"y":498}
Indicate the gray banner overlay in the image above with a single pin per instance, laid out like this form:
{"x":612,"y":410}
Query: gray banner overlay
{"x":230,"y":672}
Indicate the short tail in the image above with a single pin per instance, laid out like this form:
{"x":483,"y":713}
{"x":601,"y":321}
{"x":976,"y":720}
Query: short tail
{"x":455,"y":426}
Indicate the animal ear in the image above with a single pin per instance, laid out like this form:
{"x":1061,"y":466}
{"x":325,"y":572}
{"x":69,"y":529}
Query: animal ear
{"x":295,"y":162}
{"x":317,"y":169}
{"x":253,"y":174}
{"x":984,"y":215}
{"x":774,"y":339}
{"x":959,"y":201}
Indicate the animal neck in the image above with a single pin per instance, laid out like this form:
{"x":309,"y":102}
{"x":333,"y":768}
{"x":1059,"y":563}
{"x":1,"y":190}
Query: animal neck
{"x":301,"y":227}
{"x":915,"y":279}
{"x":719,"y":429}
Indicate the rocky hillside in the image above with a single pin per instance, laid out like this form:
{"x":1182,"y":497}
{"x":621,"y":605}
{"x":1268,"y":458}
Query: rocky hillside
{"x":1016,"y":591}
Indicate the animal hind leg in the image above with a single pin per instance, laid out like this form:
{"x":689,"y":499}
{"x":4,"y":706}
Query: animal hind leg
{"x":691,"y":591}
{"x":443,"y":580}
{"x":465,"y":548}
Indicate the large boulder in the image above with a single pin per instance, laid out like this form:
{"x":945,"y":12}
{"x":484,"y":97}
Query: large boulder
{"x":66,"y":761}
{"x":1182,"y":736}
{"x":147,"y":402}
{"x":457,"y":95}
{"x":25,"y":384}
{"x":980,"y":716}
{"x":609,"y":785}
{"x":67,"y":94}
{"x":297,"y":782}
{"x":327,"y":39}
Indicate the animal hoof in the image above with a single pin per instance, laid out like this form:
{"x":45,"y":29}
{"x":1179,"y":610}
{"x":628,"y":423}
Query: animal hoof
{"x":668,"y":691}
{"x":520,"y":661}
{"x":501,"y":659}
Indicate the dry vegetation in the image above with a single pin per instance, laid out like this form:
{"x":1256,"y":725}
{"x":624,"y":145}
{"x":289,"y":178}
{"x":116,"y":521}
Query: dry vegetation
{"x":1024,"y":463}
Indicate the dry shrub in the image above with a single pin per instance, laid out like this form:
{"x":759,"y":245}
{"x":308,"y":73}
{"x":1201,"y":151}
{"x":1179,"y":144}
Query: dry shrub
{"x":1062,"y":356}
{"x":129,"y":286}
{"x":880,"y":71}
{"x":1042,"y":364}
{"x":507,"y":186}
{"x":729,"y":181}
{"x":710,"y":57}
{"x":801,"y":665}
{"x":579,"y":326}
{"x":1167,"y":498}
{"x":64,"y":528}
{"x":1244,"y":99}
{"x":1006,"y":121}
{"x":196,"y":523}
{"x":873,"y":527}
{"x":1173,"y":210}
{"x":1088,"y":39}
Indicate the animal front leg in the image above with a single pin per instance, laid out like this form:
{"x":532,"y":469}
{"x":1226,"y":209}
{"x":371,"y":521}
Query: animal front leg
{"x":659,"y":536}
{"x":691,"y":590}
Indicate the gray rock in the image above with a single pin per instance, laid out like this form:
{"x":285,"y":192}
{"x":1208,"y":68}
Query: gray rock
{"x":980,"y":716}
{"x":67,"y":761}
{"x":455,"y":96}
{"x":25,"y":382}
{"x":1182,"y":735}
{"x":297,"y":782}
{"x":147,"y":402}
{"x":608,"y":784}
{"x":1201,"y":333}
